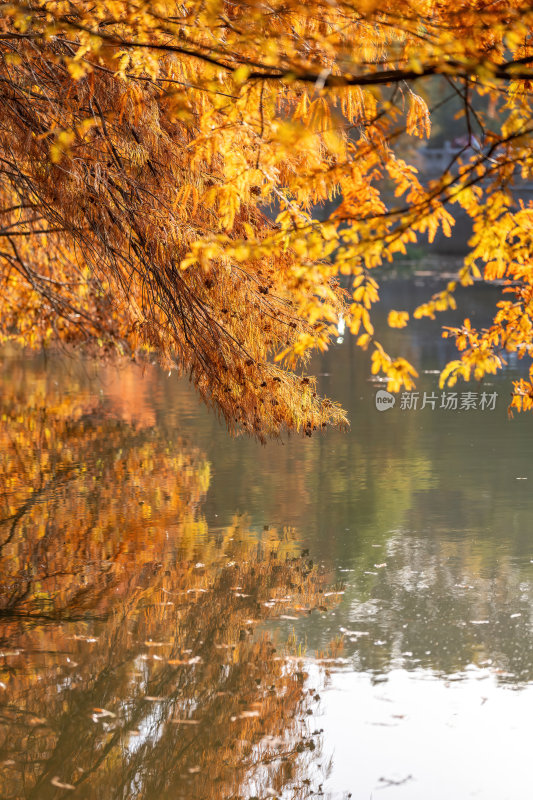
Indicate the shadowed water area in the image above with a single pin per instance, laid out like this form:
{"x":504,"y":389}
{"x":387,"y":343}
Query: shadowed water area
{"x":185,"y":615}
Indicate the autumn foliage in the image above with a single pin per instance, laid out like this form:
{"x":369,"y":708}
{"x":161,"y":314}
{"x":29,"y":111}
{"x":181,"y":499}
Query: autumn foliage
{"x":163,"y":167}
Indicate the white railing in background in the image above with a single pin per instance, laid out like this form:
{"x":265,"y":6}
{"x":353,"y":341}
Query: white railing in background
{"x":437,"y":159}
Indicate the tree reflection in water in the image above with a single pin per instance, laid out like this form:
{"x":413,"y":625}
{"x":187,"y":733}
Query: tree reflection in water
{"x":131,"y":664}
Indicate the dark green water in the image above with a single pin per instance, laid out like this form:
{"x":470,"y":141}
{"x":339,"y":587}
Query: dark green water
{"x":174,"y":601}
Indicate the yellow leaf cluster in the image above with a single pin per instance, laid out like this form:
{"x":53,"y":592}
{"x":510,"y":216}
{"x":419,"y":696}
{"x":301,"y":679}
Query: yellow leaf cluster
{"x":167,"y":171}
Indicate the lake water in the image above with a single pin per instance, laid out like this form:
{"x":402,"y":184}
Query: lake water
{"x":186,"y":615}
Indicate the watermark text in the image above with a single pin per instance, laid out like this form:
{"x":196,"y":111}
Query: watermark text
{"x":446,"y":401}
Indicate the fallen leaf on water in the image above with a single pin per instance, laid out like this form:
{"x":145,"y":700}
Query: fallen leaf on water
{"x":60,"y":785}
{"x":81,"y":638}
{"x":247,"y":714}
{"x":102,"y":713}
{"x":393,"y":782}
{"x":286,"y":616}
{"x":157,"y":644}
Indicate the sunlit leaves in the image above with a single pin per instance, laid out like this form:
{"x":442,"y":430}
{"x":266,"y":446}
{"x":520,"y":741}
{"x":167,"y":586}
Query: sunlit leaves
{"x":399,"y":372}
{"x":179,"y":159}
{"x":397,"y":319}
{"x":418,"y":120}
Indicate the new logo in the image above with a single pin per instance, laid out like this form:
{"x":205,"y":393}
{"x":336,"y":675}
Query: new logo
{"x":384,"y":400}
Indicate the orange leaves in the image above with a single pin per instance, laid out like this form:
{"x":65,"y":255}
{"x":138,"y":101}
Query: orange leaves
{"x":187,"y":196}
{"x":315,"y":114}
{"x":61,"y":145}
{"x":352,"y":102}
{"x":380,"y":361}
{"x":359,"y":315}
{"x":475,"y":363}
{"x":441,"y":301}
{"x":522,"y":398}
{"x":292,"y":136}
{"x":226,"y":201}
{"x":418,"y":121}
{"x":436,"y":217}
{"x":400,"y":373}
{"x":131,"y":104}
{"x":397,"y":319}
{"x":209,"y":173}
{"x":478,"y":359}
{"x":404,"y":177}
{"x":365,"y":290}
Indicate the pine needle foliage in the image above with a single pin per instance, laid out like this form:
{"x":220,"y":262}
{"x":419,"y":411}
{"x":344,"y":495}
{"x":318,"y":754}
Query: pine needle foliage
{"x":161,"y":164}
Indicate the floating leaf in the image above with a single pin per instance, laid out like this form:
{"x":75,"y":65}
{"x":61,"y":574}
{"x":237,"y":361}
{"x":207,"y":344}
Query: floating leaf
{"x":60,"y":785}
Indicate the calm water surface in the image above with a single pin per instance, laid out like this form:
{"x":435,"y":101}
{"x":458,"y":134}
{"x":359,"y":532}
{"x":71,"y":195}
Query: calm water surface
{"x":183,"y":615}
